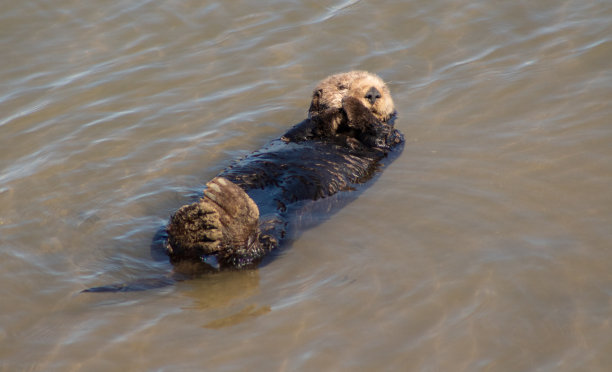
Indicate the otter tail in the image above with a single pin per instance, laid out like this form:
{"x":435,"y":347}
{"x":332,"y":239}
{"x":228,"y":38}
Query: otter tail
{"x":136,"y":285}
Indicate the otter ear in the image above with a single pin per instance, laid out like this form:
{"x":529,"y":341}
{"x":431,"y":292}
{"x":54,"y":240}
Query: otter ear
{"x":314,"y":105}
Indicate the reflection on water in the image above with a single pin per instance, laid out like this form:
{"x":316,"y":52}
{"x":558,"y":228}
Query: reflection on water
{"x":249,"y":312}
{"x":220,"y":290}
{"x":485,"y":246}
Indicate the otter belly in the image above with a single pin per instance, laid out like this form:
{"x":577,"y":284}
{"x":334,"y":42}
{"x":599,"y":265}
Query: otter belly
{"x":277,"y":182}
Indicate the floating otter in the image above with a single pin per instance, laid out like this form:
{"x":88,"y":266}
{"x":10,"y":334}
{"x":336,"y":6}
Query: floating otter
{"x":245,"y":211}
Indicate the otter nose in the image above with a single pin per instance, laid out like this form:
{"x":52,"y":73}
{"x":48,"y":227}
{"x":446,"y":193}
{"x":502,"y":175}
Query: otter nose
{"x":372,"y":95}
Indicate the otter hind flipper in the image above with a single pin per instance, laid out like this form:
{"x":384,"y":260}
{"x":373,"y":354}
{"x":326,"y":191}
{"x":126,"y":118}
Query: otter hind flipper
{"x":225,"y":222}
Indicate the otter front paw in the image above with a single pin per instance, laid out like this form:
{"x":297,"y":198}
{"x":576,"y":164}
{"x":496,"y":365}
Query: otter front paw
{"x":359,"y":117}
{"x":368,"y":129}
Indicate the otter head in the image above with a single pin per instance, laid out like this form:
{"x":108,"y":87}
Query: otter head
{"x":368,"y":88}
{"x":354,"y":106}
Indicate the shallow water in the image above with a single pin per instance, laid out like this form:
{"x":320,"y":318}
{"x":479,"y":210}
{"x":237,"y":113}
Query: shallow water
{"x":485,"y":247}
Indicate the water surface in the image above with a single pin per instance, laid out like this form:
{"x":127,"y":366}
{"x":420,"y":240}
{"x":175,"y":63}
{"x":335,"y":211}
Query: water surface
{"x":485,"y":247}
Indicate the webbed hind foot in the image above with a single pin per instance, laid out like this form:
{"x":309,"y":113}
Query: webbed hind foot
{"x":221,"y":223}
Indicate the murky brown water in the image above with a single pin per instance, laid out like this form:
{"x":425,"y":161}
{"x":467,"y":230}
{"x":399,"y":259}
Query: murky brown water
{"x":487,"y":246}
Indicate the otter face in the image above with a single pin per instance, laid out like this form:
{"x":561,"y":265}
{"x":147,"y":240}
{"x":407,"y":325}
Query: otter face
{"x":368,"y":88}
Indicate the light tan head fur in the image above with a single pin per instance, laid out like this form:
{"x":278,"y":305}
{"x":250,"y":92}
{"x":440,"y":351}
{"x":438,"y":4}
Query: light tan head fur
{"x":330,"y":92}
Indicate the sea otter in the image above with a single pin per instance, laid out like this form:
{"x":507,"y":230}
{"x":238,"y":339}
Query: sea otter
{"x":244,"y":212}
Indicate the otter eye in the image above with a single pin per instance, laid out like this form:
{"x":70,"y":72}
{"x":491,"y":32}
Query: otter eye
{"x":318,"y":93}
{"x":372,"y":95}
